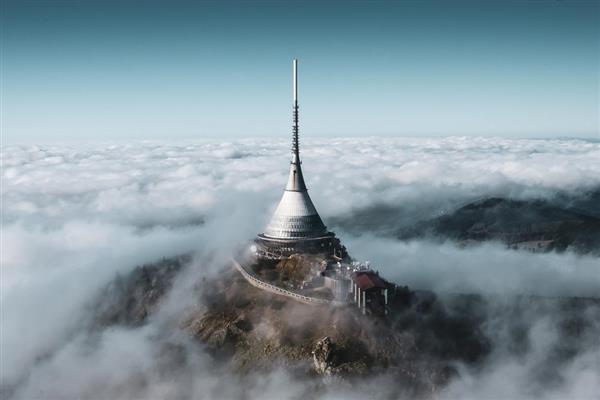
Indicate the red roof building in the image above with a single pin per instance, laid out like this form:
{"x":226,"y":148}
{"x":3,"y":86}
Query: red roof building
{"x":370,"y":292}
{"x":368,"y":280}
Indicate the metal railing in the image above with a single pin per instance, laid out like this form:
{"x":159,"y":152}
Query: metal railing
{"x":256,"y":282}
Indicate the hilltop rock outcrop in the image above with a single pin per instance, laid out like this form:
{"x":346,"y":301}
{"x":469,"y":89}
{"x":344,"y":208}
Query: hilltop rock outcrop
{"x":323,"y":355}
{"x":417,"y":345}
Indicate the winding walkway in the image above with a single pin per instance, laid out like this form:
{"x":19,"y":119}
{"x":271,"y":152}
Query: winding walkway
{"x":256,"y":282}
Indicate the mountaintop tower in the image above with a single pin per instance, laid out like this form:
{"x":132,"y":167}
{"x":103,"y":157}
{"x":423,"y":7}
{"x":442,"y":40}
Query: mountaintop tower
{"x":296,"y":226}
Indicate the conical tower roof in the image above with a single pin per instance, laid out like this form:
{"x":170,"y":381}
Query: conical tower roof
{"x":296,"y":216}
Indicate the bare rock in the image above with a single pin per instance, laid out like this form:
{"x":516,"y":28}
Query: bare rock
{"x":323,"y":356}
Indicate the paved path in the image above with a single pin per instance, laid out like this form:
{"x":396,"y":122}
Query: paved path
{"x":256,"y":282}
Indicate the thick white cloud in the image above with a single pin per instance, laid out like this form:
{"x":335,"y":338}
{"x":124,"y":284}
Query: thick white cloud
{"x":488,"y":268}
{"x":75,"y":215}
{"x":153,"y":182}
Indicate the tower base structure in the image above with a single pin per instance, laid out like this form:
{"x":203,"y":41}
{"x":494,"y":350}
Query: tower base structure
{"x":272,"y":248}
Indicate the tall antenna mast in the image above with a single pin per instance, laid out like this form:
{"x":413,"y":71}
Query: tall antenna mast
{"x":295,"y":144}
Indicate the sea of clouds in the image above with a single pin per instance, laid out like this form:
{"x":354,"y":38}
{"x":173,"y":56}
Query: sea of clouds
{"x":73,"y":216}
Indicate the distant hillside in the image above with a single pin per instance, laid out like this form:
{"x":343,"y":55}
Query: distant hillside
{"x":533,"y":225}
{"x":565,"y":220}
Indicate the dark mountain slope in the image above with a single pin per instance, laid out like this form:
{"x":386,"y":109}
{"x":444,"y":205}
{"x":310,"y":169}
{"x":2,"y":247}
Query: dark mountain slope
{"x":534,"y":225}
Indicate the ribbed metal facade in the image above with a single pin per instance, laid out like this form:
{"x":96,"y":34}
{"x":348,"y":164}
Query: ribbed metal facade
{"x":295,"y":217}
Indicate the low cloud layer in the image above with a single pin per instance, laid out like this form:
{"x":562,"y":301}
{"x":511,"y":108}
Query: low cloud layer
{"x":489,"y":268}
{"x":152,"y":183}
{"x":74,"y":216}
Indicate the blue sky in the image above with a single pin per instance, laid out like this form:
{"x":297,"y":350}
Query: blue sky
{"x":91,"y":70}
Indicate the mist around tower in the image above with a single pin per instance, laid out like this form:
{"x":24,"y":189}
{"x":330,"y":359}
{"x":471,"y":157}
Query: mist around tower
{"x":415,"y":214}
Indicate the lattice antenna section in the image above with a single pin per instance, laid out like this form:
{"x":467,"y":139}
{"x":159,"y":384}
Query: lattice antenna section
{"x":295,"y":127}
